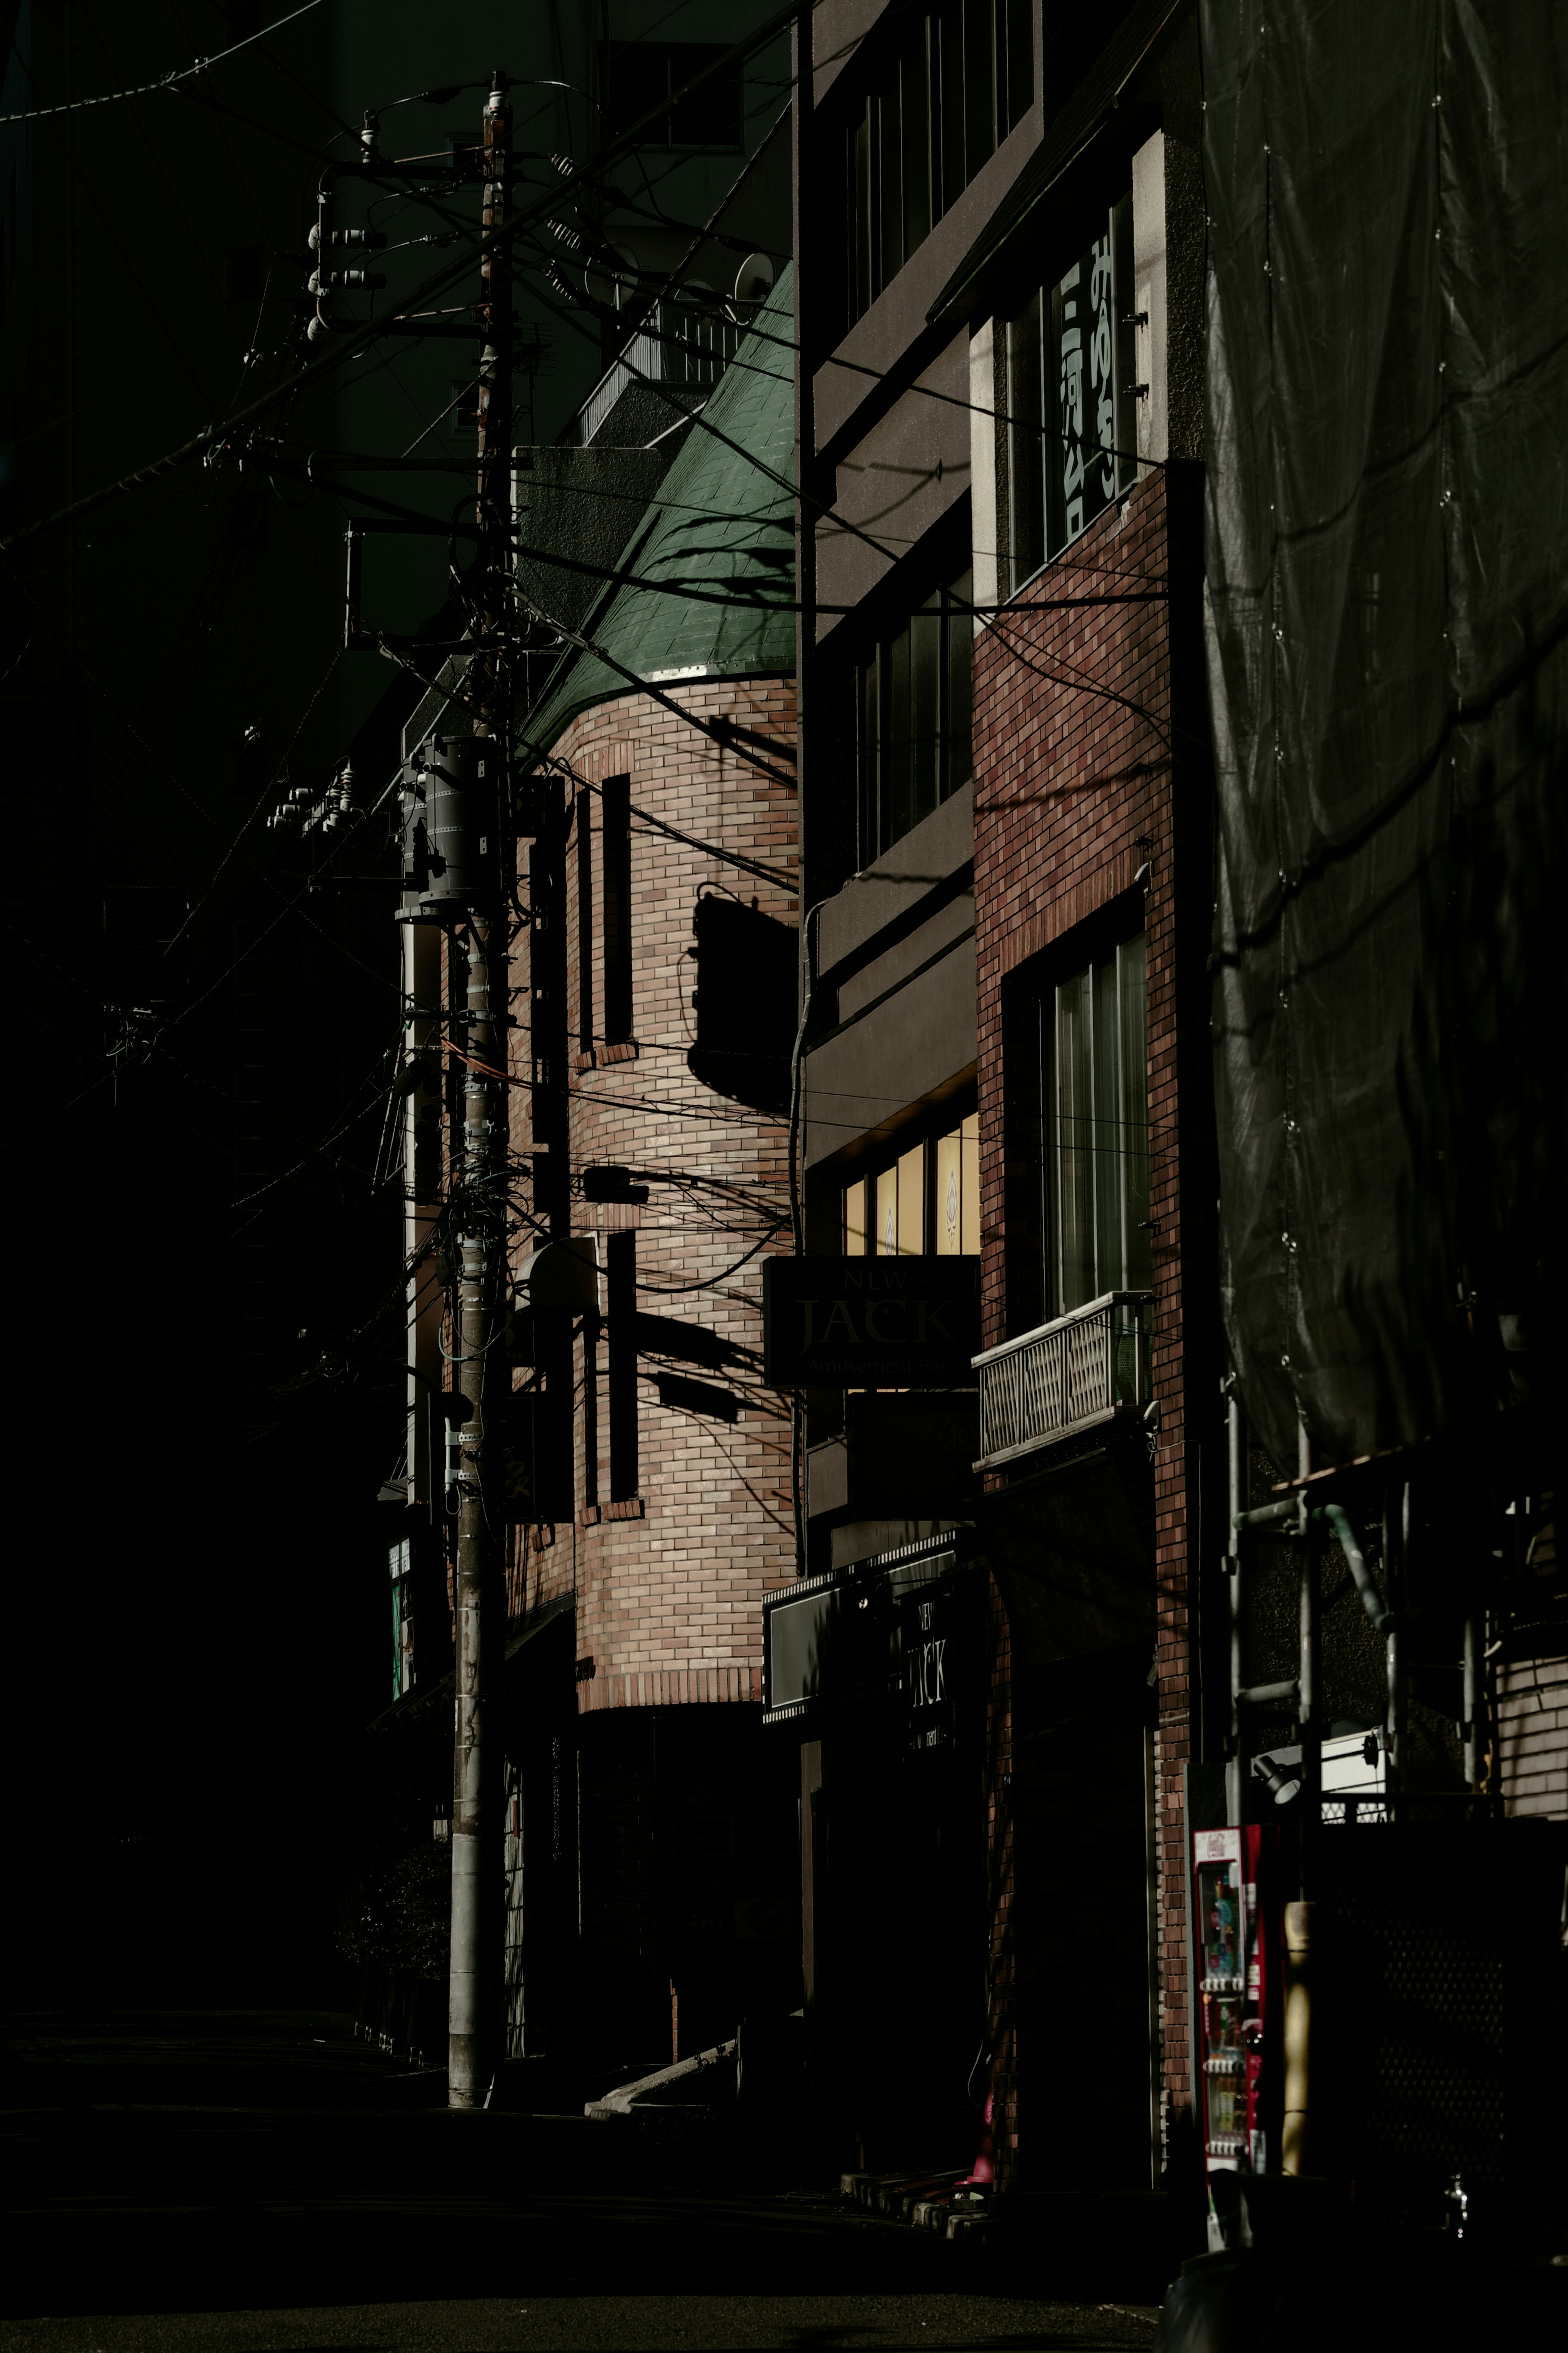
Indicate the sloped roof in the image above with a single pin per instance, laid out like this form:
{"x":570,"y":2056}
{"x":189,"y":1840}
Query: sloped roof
{"x":723,"y":519}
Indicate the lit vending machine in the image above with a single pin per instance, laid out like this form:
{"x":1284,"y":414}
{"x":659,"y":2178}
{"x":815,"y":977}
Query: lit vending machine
{"x":1238,"y":1973}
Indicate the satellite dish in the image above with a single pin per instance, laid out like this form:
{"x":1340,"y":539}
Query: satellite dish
{"x":754,"y":278}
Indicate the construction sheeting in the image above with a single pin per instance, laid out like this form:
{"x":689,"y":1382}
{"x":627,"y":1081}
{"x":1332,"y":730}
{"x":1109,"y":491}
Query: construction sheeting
{"x":722,"y":524}
{"x":1387,"y":389}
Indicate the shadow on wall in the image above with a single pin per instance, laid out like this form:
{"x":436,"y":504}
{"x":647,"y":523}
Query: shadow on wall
{"x":745,"y":1002}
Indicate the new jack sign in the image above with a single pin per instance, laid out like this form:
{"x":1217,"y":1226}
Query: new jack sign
{"x":870,"y":1323}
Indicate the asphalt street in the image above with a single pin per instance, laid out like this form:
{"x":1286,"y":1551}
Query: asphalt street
{"x":247,"y":2180}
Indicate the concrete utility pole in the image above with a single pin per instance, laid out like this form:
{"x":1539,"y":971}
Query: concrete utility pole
{"x":474,"y":2015}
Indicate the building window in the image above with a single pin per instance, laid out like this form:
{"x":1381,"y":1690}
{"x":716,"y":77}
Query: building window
{"x":584,"y":925}
{"x":400,"y":1566}
{"x":615,"y":882}
{"x":927,"y":1202}
{"x":962,"y":75}
{"x":913,"y":709}
{"x":1095,"y":1095}
{"x":637,"y":74}
{"x":621,"y":1288}
{"x":1073,"y":439}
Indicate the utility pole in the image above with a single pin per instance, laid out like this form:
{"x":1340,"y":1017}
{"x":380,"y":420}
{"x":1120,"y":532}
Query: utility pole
{"x":474,"y":2015}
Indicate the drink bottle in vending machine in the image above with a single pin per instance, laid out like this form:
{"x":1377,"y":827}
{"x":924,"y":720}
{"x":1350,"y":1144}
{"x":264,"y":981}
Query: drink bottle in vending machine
{"x":1235,"y":1908}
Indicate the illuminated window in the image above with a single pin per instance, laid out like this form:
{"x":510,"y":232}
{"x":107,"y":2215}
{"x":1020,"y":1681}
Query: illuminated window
{"x":927,"y":1201}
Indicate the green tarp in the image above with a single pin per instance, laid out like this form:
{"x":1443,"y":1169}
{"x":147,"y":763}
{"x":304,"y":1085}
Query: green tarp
{"x":724,"y":518}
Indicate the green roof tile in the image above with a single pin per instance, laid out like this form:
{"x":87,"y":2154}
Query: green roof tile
{"x":724,"y":517}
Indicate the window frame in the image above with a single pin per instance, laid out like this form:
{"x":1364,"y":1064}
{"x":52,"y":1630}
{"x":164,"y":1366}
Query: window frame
{"x":920,"y":73}
{"x":926,"y":1141}
{"x":665,"y":51}
{"x":1134,"y":1268}
{"x":951,"y":604}
{"x":1037,"y":504}
{"x":618,"y":962}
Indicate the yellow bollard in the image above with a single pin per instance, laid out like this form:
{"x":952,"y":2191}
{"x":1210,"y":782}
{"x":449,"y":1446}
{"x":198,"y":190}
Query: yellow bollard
{"x":1298,"y":2037}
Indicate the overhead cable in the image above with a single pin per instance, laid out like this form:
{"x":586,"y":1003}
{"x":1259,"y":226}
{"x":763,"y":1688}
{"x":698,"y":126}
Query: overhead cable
{"x":492,"y":241}
{"x":170,"y":80}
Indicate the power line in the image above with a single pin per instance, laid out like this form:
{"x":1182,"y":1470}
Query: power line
{"x":498,"y":239}
{"x":166,"y":82}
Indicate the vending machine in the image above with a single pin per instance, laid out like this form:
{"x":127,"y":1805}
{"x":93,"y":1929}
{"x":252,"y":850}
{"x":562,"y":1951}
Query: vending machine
{"x":1235,"y":1911}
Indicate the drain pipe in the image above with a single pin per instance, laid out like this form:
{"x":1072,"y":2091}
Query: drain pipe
{"x":798,"y":1430}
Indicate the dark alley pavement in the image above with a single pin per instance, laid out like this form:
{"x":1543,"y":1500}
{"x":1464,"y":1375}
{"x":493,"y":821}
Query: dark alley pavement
{"x":252,"y":2180}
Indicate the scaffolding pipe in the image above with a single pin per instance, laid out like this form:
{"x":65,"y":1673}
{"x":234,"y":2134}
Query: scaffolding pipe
{"x":1236,"y":1797}
{"x":1307,"y":1701}
{"x":1268,"y":1515}
{"x":1394,"y":1742}
{"x":1281,"y":1694}
{"x":1470,"y":1730}
{"x":1376,"y":1606}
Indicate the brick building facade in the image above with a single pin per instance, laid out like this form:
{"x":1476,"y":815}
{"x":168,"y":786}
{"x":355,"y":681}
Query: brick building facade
{"x":679,"y":1510}
{"x":1090,"y":824}
{"x":1004,"y":807}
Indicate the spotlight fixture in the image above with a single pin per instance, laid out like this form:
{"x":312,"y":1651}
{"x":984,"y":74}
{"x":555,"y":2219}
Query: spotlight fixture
{"x":1281,"y":1784}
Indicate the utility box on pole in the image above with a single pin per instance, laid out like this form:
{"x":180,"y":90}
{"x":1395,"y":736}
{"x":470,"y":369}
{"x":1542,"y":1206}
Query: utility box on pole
{"x":459,"y":777}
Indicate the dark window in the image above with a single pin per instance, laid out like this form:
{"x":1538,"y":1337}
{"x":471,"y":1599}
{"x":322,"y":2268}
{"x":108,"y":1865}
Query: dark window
{"x":621,"y":1252}
{"x":1015,"y":58}
{"x":1072,"y":437}
{"x":584,"y":925}
{"x":962,"y":75}
{"x":913,"y":701}
{"x":591,"y":1324}
{"x":1094,"y":1096}
{"x":617,"y":889}
{"x":637,"y":74}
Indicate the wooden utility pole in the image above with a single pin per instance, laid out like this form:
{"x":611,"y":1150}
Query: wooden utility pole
{"x":479,"y":1189}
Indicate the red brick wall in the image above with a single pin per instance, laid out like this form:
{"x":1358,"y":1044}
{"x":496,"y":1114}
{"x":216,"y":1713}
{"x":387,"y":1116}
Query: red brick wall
{"x":668,"y":1586}
{"x":1073,"y":794}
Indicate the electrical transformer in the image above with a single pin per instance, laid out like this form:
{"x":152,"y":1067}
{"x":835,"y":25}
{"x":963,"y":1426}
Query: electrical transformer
{"x":452,"y":804}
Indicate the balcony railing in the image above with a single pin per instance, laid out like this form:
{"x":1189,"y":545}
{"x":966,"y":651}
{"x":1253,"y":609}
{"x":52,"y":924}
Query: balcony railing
{"x":1077,"y":1370}
{"x":693,"y":363}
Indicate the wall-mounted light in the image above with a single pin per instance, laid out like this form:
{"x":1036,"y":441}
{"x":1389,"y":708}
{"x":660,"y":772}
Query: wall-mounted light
{"x":1281,"y":1783}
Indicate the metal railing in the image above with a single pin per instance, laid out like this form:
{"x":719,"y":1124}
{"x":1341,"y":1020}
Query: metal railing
{"x":1079,"y":1369}
{"x":706,"y":345}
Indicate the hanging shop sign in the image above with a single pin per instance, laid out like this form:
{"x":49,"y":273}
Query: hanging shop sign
{"x":870,"y":1323}
{"x":897,"y":1632}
